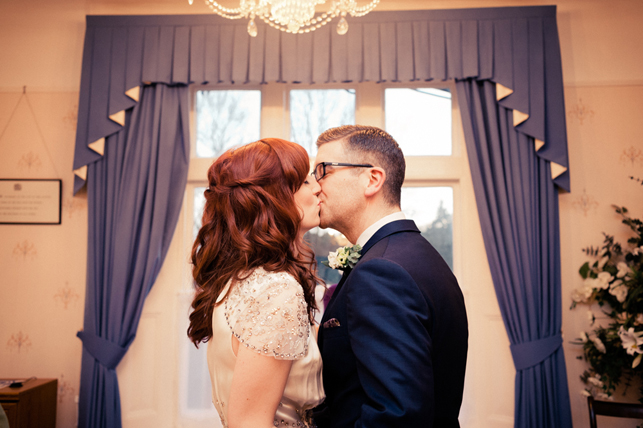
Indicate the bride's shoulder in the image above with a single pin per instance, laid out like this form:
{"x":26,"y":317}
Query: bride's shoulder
{"x":267,"y":312}
{"x":260,"y":281}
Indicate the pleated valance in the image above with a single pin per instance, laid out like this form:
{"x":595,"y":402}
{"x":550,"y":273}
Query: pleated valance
{"x":515,"y":47}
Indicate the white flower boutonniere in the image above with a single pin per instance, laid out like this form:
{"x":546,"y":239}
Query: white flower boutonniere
{"x":344,"y":257}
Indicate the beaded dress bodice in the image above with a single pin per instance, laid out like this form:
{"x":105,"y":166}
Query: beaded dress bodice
{"x":267,"y":313}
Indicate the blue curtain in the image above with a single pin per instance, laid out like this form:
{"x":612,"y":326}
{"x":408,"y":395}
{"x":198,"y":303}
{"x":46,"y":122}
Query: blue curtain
{"x":135,"y":192}
{"x":518,"y":208}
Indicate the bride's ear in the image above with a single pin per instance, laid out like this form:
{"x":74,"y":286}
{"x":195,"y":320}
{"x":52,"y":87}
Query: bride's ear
{"x":376,"y":179}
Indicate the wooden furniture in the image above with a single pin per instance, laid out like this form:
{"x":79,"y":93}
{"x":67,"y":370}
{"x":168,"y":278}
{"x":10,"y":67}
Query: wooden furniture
{"x":33,"y":405}
{"x":611,"y":408}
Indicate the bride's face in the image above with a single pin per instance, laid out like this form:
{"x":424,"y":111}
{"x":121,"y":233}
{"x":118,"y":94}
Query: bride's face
{"x":308,"y":204}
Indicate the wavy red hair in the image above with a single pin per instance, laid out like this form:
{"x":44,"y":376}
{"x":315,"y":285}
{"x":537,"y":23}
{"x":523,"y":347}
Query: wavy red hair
{"x":250,"y":220}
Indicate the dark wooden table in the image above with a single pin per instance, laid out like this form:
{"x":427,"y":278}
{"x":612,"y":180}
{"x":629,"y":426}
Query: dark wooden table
{"x":33,"y":405}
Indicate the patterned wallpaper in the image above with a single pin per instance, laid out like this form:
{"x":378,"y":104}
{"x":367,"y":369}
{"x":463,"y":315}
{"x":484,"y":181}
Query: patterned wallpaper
{"x":43,"y":266}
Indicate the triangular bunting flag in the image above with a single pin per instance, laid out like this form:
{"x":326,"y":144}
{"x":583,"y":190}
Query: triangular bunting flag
{"x":133,"y":93}
{"x":502,"y":91}
{"x":98,"y":146}
{"x":118,"y":117}
{"x":539,"y":144}
{"x":556,"y":170}
{"x":519,"y":117}
{"x":81,"y":172}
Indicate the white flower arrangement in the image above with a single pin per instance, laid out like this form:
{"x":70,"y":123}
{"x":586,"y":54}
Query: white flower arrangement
{"x":344,"y":257}
{"x":615,"y":282}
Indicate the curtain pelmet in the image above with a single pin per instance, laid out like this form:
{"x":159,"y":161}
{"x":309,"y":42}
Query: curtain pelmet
{"x":515,"y":47}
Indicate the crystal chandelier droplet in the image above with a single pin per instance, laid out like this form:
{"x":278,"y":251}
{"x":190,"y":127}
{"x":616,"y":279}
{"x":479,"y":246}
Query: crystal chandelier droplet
{"x":252,"y":28}
{"x":342,"y":26}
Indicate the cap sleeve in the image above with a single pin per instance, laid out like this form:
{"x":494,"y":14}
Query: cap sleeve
{"x":267,"y":313}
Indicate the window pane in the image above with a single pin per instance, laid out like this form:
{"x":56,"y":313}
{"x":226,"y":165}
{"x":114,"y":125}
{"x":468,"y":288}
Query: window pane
{"x":199,"y":204}
{"x":432,"y":210}
{"x":225,"y":119}
{"x":420,"y":120}
{"x":313,"y":111}
{"x":199,"y":389}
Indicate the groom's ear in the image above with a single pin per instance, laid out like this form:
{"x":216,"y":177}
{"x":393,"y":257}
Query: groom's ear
{"x":376,"y":179}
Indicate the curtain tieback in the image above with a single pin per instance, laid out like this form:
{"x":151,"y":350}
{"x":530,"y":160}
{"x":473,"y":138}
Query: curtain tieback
{"x":528,"y":354}
{"x":104,"y":351}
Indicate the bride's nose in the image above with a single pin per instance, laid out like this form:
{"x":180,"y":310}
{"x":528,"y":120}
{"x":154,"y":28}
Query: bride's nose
{"x":316,"y":188}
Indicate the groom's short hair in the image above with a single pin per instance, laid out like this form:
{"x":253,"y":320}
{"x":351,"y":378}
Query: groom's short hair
{"x":371,"y":144}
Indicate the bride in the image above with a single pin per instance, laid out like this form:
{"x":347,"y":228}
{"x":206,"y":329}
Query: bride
{"x":255,"y":286}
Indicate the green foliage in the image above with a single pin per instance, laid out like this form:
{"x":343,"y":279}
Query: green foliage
{"x":584,"y":270}
{"x":615,"y":282}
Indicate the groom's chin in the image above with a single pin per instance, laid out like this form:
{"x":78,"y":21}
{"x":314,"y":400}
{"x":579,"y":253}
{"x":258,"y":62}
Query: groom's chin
{"x":324,"y":221}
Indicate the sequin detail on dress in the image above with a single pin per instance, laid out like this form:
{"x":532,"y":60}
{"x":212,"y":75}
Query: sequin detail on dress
{"x":267,"y":313}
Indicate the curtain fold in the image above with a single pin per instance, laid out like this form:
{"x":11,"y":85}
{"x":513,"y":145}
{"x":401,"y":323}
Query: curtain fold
{"x":518,"y":209}
{"x":135,"y":192}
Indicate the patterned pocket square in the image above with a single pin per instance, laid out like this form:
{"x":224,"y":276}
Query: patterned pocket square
{"x":331,"y":323}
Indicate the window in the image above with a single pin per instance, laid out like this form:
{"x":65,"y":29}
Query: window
{"x":312,"y":111}
{"x":226,"y":118}
{"x":420,"y":120}
{"x":425,"y":131}
{"x":432,"y":210}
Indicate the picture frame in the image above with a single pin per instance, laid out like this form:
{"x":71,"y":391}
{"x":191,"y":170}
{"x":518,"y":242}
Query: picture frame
{"x":30,"y":201}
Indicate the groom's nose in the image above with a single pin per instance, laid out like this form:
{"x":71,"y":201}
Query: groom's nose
{"x":316,"y":188}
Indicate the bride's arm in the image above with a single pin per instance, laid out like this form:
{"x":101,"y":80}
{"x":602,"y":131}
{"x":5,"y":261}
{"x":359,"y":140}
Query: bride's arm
{"x":258,"y":384}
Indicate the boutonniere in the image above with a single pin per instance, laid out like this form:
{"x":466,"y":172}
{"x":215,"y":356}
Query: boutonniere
{"x":344,"y":258}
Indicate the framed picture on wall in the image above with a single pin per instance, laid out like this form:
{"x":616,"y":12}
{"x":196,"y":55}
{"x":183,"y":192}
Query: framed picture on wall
{"x":30,"y":201}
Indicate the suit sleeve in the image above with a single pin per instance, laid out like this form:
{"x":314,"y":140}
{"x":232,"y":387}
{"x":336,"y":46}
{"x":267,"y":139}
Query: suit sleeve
{"x":387,"y":326}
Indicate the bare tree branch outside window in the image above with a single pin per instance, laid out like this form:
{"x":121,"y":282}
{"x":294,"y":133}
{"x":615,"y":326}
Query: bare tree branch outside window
{"x":313,"y":111}
{"x":226,"y":119}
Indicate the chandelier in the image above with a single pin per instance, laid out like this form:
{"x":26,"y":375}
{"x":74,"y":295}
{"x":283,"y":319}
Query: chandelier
{"x":292,"y":16}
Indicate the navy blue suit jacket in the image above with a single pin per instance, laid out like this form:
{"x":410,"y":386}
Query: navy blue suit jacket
{"x":396,"y":355}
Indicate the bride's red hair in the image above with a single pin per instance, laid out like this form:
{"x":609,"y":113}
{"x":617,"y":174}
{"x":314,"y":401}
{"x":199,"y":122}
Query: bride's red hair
{"x":250,"y":220}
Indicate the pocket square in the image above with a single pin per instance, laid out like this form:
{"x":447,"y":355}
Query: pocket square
{"x":331,"y":323}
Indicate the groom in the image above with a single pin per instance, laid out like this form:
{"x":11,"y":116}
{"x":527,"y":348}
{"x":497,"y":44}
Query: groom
{"x":394,"y":335}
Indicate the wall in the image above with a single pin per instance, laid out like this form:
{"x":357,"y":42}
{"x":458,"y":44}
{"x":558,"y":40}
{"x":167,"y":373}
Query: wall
{"x":43,"y":267}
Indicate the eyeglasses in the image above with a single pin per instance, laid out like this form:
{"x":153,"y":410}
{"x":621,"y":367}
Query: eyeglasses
{"x":320,"y":169}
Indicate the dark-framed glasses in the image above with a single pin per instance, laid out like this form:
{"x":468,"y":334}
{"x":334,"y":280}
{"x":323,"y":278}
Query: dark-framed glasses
{"x":320,"y":169}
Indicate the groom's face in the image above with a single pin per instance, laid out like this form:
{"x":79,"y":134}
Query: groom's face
{"x":339,"y":188}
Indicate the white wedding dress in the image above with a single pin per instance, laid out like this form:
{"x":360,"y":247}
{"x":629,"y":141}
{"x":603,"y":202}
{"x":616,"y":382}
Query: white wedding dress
{"x":267,"y":313}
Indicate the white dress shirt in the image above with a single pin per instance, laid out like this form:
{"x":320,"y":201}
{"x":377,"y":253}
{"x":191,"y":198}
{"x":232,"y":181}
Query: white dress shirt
{"x":370,"y":231}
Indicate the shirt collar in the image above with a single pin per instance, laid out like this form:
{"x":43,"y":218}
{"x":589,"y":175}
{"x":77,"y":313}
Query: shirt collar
{"x":370,"y":231}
